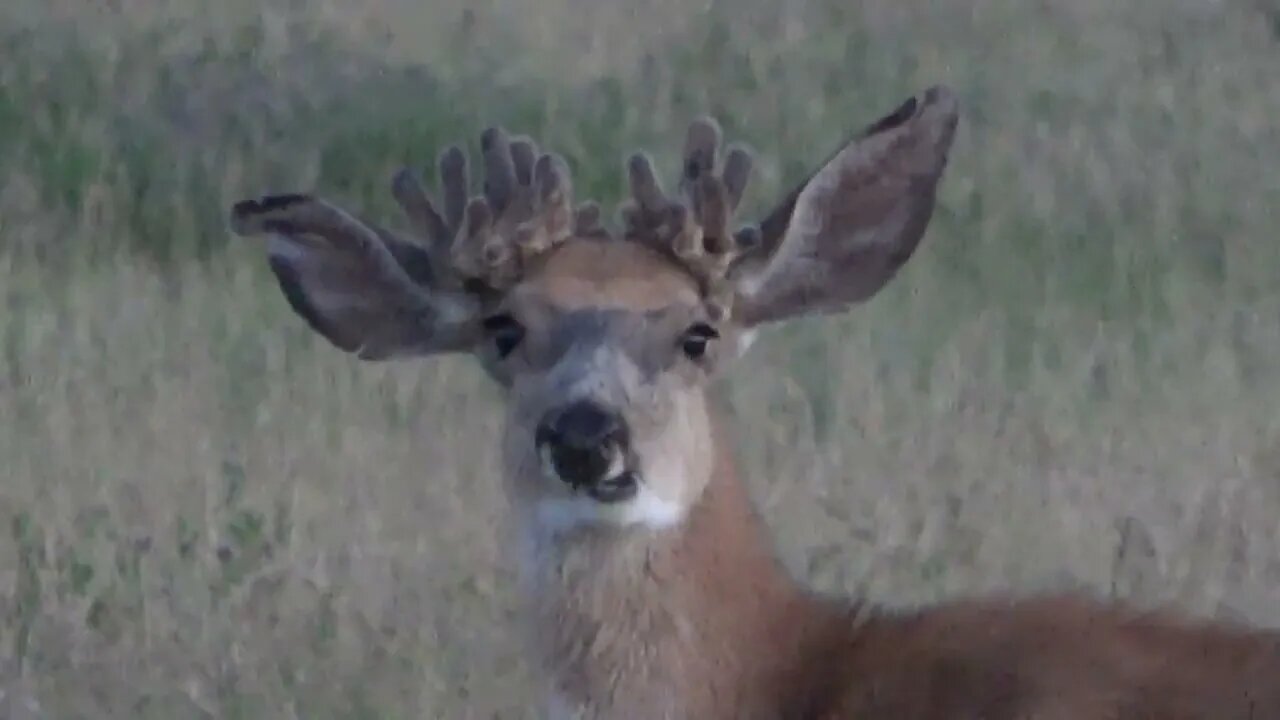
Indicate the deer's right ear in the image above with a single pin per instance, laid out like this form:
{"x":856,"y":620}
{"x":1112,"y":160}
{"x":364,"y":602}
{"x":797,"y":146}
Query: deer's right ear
{"x":360,"y":287}
{"x":843,"y":233}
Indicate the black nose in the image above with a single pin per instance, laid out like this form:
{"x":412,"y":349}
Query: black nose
{"x":583,"y":438}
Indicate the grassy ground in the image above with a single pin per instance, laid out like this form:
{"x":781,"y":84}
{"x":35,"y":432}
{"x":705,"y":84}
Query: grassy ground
{"x":207,"y":512}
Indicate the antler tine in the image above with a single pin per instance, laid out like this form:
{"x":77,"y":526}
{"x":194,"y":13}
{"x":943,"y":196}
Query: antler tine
{"x":480,"y":250}
{"x":499,"y":169}
{"x":524,"y":210}
{"x":436,"y":228}
{"x":524,"y":153}
{"x":702,"y":141}
{"x":694,"y":226}
{"x":453,"y":182}
{"x":646,"y":216}
{"x":736,"y":174}
{"x":553,"y":218}
{"x":526,"y":207}
{"x":713,"y":208}
{"x":469,"y":247}
{"x":645,"y":187}
{"x":586,"y":222}
{"x":423,"y":216}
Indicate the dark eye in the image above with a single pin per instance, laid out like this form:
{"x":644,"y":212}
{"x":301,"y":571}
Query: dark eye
{"x":505,"y":332}
{"x":695,"y":340}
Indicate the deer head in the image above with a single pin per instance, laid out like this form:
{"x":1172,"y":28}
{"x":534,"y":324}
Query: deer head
{"x":604,"y":341}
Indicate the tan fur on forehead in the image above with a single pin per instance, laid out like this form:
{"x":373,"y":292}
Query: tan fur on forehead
{"x":604,"y":274}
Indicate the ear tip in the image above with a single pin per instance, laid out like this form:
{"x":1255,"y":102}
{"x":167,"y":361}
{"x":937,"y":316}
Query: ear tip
{"x":939,"y":92}
{"x":241,"y":211}
{"x":247,"y":215}
{"x":940,"y":114}
{"x":940,"y":101}
{"x":934,"y":112}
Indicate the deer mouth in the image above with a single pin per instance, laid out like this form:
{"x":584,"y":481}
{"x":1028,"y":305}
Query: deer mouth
{"x":614,"y":489}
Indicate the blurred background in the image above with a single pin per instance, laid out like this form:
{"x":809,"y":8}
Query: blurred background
{"x":208,"y":512}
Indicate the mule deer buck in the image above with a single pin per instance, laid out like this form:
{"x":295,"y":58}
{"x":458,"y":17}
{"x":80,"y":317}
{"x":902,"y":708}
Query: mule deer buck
{"x":652,"y":587}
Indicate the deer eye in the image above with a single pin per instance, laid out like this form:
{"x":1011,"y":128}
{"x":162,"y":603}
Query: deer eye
{"x":505,"y":333}
{"x":695,"y":340}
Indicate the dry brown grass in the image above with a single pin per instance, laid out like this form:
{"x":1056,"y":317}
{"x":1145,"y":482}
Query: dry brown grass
{"x":209,"y":513}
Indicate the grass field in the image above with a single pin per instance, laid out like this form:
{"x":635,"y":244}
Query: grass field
{"x":210,"y":513}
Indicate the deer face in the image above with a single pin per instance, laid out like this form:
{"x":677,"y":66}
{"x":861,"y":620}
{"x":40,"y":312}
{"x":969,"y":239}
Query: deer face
{"x":604,"y":350}
{"x":604,"y":343}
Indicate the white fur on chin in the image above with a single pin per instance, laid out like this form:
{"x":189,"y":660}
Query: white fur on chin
{"x":557,"y":515}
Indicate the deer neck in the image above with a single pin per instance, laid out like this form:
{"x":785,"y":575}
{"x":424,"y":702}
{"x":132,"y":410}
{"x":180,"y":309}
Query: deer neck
{"x":679,"y":622}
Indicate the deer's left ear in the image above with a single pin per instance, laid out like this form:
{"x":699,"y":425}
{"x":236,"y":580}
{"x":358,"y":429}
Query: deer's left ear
{"x":357,"y":285}
{"x":842,"y":234}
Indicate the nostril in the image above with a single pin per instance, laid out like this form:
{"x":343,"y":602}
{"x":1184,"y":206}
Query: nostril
{"x":582,"y":426}
{"x":545,"y":435}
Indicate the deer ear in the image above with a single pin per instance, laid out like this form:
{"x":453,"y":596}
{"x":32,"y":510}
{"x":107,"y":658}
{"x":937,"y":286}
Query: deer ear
{"x":360,"y":287}
{"x":842,"y":234}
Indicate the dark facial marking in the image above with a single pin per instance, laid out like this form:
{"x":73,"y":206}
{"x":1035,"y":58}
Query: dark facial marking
{"x":900,"y":115}
{"x":266,"y":204}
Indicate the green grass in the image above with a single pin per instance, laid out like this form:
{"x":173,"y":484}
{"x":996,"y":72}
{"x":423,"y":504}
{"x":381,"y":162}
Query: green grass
{"x":207,"y":512}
